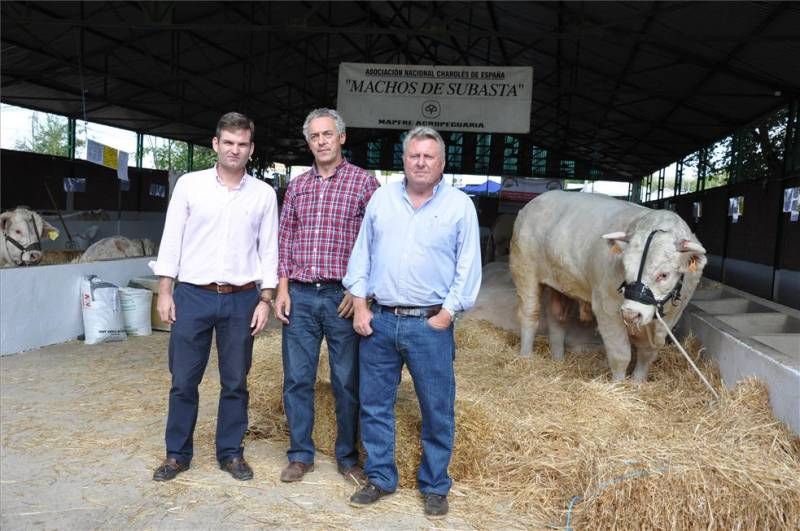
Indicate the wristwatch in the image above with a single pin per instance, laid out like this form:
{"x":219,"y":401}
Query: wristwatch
{"x":268,"y":300}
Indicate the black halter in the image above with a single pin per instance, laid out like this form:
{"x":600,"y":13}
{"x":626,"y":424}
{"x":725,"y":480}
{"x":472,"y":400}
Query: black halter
{"x":637,"y":291}
{"x":35,"y":246}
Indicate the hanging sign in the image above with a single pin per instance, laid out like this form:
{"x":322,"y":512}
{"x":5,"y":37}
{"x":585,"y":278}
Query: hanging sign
{"x":484,"y":99}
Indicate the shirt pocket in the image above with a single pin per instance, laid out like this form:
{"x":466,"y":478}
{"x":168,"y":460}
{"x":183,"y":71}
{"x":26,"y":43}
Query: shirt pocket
{"x":438,"y":234}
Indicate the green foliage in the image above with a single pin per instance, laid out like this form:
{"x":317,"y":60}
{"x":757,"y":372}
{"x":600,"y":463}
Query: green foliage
{"x":48,"y":135}
{"x":174,"y":155}
{"x":204,"y":158}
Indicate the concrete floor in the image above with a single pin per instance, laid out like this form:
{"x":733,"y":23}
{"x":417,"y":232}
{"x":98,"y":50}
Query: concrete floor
{"x":82,"y":428}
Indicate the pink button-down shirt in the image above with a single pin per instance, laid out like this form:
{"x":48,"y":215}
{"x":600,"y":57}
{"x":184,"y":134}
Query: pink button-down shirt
{"x":213,"y":234}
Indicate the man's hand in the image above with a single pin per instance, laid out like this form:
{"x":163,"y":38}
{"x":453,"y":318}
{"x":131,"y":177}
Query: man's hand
{"x":165,"y":306}
{"x":362,"y":317}
{"x":345,"y":309}
{"x":441,"y":320}
{"x":260,"y":318}
{"x":283,"y":302}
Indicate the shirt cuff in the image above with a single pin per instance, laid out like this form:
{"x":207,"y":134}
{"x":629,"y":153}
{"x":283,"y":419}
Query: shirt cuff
{"x":357,"y":289}
{"x":164,"y":270}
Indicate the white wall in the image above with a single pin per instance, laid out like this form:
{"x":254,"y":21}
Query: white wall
{"x":41,"y":305}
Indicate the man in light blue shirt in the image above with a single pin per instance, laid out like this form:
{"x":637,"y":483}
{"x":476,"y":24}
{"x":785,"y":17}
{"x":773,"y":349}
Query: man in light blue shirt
{"x":418,"y":258}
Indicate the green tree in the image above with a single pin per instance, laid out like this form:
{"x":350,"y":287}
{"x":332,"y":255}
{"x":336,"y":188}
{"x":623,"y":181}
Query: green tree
{"x":48,"y":135}
{"x":174,"y":155}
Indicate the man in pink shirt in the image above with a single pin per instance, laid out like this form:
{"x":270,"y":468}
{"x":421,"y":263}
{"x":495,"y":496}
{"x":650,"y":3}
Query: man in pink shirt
{"x":220,"y":242}
{"x":321,"y":215}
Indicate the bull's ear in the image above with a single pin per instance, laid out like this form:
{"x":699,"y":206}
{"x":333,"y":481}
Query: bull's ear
{"x":5,"y":219}
{"x":48,"y":231}
{"x":617,"y":241}
{"x":693,"y":255}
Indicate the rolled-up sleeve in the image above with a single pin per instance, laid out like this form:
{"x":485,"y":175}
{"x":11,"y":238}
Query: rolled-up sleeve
{"x":268,"y":242}
{"x":467,"y":280}
{"x":169,"y":252}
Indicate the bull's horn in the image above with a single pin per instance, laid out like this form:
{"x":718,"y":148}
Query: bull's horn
{"x":620,"y":235}
{"x":685,"y":246}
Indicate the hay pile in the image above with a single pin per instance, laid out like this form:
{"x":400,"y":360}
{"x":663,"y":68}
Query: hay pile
{"x":62,"y":256}
{"x":542,"y":441}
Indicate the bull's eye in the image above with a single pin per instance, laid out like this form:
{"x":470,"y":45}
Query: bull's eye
{"x":661,"y":277}
{"x":18,"y":231}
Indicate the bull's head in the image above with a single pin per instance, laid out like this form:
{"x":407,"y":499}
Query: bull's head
{"x":22,"y":231}
{"x":653,"y":278}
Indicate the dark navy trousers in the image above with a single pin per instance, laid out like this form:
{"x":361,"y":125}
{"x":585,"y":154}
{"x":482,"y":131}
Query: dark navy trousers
{"x":199,"y":312}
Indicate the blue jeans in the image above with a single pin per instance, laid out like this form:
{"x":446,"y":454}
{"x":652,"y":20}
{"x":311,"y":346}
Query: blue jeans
{"x":199,"y":312}
{"x":314,"y":315}
{"x":429,"y":354}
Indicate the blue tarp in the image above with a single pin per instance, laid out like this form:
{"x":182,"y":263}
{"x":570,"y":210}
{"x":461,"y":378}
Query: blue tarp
{"x":489,"y":187}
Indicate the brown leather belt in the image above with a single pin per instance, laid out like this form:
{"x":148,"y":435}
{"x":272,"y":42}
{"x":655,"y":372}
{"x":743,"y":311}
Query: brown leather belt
{"x":226,"y":288}
{"x":411,"y":311}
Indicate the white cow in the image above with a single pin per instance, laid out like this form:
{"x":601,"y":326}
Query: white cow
{"x":586,"y":246}
{"x":21,"y":240}
{"x":117,"y":247}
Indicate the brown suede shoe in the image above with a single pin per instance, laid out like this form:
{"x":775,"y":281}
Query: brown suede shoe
{"x":295,"y":471}
{"x":168,"y":469}
{"x":353,"y":473}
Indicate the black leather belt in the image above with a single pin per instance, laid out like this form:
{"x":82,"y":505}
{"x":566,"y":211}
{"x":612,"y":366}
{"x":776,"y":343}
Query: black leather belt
{"x":410,"y":311}
{"x":226,"y":288}
{"x":317,"y":283}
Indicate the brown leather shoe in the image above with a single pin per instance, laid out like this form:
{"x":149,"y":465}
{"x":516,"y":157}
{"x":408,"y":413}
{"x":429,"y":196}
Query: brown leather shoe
{"x":295,"y":471}
{"x":353,"y":473}
{"x":168,"y":469}
{"x":238,"y":468}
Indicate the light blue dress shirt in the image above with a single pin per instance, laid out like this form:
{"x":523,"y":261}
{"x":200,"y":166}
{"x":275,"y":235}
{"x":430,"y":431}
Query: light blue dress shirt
{"x":422,"y":257}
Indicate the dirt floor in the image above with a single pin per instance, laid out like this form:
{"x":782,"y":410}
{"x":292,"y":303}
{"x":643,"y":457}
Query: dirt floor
{"x":82,"y":428}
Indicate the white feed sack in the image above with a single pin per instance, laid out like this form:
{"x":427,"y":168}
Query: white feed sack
{"x":102,"y":311}
{"x":136,"y":310}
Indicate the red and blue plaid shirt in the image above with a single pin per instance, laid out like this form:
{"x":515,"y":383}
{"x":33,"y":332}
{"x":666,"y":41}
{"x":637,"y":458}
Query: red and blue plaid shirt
{"x":320,"y":222}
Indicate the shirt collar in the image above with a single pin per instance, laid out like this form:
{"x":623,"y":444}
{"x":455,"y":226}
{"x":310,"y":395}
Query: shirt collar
{"x":241,"y":184}
{"x":436,"y":188}
{"x":336,"y":171}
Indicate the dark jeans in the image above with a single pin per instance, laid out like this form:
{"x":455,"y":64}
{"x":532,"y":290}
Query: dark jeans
{"x":198,"y":313}
{"x":313,"y":315}
{"x":429,"y":354}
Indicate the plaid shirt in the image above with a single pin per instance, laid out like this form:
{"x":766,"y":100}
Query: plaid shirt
{"x":320,"y":222}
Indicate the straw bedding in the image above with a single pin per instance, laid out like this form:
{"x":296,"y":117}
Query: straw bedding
{"x":543,"y":441}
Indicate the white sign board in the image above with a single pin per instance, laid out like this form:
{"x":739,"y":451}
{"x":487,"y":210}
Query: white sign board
{"x":481,"y":99}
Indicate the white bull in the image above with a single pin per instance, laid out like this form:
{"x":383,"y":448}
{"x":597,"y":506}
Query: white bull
{"x":21,"y":239}
{"x":117,"y":247}
{"x":586,"y":246}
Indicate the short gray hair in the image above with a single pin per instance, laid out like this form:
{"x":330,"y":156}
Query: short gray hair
{"x":422,"y":132}
{"x":324,"y":113}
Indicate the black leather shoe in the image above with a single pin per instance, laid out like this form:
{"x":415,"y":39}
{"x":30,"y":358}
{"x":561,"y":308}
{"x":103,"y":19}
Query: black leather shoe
{"x":367,"y":495}
{"x":435,"y":506}
{"x":168,"y":469}
{"x":238,"y":468}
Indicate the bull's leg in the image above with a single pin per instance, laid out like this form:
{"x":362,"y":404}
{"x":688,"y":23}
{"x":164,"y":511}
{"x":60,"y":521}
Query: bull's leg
{"x":557,"y":331}
{"x":528,"y":303}
{"x":615,"y":339}
{"x":644,"y":357}
{"x":528,"y":314}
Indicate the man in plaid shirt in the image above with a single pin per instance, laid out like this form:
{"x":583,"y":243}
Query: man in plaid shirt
{"x":320,"y":220}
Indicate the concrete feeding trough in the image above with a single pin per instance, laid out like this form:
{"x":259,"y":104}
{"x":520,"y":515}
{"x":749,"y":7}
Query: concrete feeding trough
{"x":750,"y":336}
